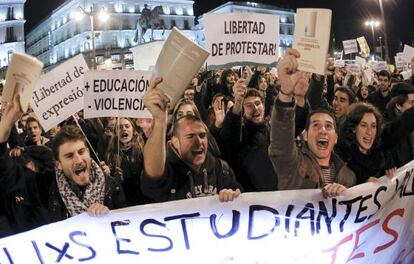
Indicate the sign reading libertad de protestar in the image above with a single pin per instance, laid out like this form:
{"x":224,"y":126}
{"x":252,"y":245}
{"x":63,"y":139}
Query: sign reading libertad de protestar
{"x":248,"y":38}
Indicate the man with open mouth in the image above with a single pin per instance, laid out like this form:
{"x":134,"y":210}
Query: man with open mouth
{"x":314,"y":165}
{"x":183,"y":168}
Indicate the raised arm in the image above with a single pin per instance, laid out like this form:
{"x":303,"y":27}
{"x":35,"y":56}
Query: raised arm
{"x":155,"y":148}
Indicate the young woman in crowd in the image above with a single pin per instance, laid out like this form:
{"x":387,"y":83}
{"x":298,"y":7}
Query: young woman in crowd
{"x":359,"y":142}
{"x":128,"y":163}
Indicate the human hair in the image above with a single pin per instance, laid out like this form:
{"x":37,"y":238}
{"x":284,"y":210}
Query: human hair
{"x":385,"y":73}
{"x":136,"y":144}
{"x":348,"y":91}
{"x":320,"y":111}
{"x":252,"y":92}
{"x":176,"y":125}
{"x":68,"y":133}
{"x":32,"y":119}
{"x":225,"y":73}
{"x":181,"y":102}
{"x":354,"y":117}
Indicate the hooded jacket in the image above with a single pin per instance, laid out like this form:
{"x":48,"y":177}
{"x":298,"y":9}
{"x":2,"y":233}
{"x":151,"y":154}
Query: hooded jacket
{"x":245,"y":148}
{"x":180,"y":182}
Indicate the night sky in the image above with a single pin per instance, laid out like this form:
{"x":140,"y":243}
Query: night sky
{"x":348,"y":16}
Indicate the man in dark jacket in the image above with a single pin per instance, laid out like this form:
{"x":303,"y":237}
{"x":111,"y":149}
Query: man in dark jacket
{"x":382,"y":96}
{"x":186,"y":169}
{"x":24,"y":185}
{"x":245,"y":146}
{"x":398,"y":132}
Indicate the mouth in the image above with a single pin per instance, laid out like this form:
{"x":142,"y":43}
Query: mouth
{"x":80,"y":170}
{"x":124,"y":135}
{"x":197,"y":152}
{"x":322,"y":143}
{"x":367,"y":140}
{"x":256,"y":115}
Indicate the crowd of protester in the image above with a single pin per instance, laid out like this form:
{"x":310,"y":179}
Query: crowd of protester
{"x":245,"y":130}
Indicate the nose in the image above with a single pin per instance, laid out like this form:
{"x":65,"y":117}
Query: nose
{"x":77,"y":158}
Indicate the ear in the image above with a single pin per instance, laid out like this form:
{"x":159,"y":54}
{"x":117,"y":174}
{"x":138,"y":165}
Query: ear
{"x":175,"y":143}
{"x":305,"y":135}
{"x":398,"y":107}
{"x":58,"y":165}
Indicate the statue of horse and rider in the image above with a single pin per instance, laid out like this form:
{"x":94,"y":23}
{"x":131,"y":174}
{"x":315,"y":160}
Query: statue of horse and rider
{"x":150,"y":19}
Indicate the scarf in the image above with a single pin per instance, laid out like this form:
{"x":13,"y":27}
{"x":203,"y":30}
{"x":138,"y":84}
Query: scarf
{"x":94,"y":192}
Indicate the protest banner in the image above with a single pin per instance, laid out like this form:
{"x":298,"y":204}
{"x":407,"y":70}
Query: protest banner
{"x":369,"y":223}
{"x":145,"y":55}
{"x":408,"y":53}
{"x":179,"y":61}
{"x":59,"y":93}
{"x":242,"y":38}
{"x":21,"y":77}
{"x":363,"y":45}
{"x":116,"y":93}
{"x":311,"y":38}
{"x":350,"y":46}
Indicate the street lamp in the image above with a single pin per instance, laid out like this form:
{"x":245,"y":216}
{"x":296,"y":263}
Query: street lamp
{"x":102,"y":15}
{"x":387,"y":56}
{"x":373,"y":23}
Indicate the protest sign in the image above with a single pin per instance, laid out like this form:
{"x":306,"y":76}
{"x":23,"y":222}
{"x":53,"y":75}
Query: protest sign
{"x":145,"y":55}
{"x":116,"y":93}
{"x":380,"y":66}
{"x":408,"y":53}
{"x":406,"y":75}
{"x":369,"y":223}
{"x":367,"y":74}
{"x":339,"y":63}
{"x":21,"y":77}
{"x":350,"y":46}
{"x":241,"y":38}
{"x":59,"y":93}
{"x":311,"y":38}
{"x":400,"y":62}
{"x":179,"y":61}
{"x":354,"y":68}
{"x":363,"y":45}
{"x":360,"y":61}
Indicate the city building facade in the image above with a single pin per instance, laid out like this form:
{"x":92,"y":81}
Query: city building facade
{"x":63,"y":35}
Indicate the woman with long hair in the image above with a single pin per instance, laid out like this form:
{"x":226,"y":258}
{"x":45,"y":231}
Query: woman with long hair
{"x":359,"y":142}
{"x":127,"y":164}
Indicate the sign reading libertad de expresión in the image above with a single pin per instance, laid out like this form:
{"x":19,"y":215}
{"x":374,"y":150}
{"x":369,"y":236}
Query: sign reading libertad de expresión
{"x":369,"y":223}
{"x":116,"y":93}
{"x":59,"y":93}
{"x":241,"y":38}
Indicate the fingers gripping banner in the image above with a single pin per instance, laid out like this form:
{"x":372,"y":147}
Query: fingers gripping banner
{"x":370,"y":223}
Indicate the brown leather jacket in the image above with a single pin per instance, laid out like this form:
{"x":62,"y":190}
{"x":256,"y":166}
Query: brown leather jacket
{"x":296,"y":166}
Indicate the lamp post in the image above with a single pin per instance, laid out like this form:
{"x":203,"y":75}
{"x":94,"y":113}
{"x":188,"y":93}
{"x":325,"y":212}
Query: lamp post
{"x":373,"y":24}
{"x":387,"y":56}
{"x":380,"y":41}
{"x":102,"y":15}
